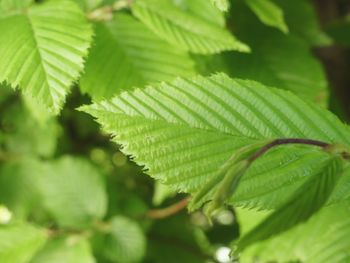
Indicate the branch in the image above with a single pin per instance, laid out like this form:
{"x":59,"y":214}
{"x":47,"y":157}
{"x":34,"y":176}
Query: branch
{"x":168,"y":211}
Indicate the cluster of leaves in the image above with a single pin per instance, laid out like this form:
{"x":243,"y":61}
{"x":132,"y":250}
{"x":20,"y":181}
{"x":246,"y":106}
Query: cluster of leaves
{"x":67,"y":194}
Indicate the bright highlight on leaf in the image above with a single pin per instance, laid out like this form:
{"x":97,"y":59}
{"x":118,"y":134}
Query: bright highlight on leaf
{"x":183,"y":30}
{"x":5,"y":215}
{"x":222,"y":5}
{"x":42,"y":50}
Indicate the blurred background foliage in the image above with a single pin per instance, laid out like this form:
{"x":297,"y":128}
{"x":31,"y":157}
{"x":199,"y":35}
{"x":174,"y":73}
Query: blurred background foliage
{"x":74,"y":198}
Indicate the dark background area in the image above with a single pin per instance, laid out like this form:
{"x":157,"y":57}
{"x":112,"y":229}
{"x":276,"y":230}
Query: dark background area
{"x":336,"y":58}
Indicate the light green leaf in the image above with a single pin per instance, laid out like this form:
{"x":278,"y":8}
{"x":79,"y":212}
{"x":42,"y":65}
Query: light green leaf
{"x":184,"y":30}
{"x":88,"y":5}
{"x":307,"y":200}
{"x":222,"y":5}
{"x":128,"y":54}
{"x":71,"y":249}
{"x":269,"y":13}
{"x":184,"y":131}
{"x":19,"y":242}
{"x":161,"y":193}
{"x":42,"y":50}
{"x":248,"y":219}
{"x":13,"y":5}
{"x":322,"y":239}
{"x":126,"y":241}
{"x":202,"y":9}
{"x":341,"y":190}
{"x":73,"y":191}
{"x":272,"y":180}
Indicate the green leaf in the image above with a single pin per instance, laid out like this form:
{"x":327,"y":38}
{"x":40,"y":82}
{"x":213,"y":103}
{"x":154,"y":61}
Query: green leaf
{"x":161,"y":193}
{"x":24,"y":134}
{"x":302,"y":20}
{"x":176,"y":235}
{"x":19,"y":242}
{"x":324,"y":238}
{"x":269,"y":13}
{"x":88,"y":5}
{"x":202,"y":9}
{"x":71,"y":249}
{"x":5,"y":94}
{"x":42,"y":50}
{"x":127,"y":54}
{"x":125,"y":242}
{"x":73,"y":191}
{"x":306,"y":201}
{"x":18,"y":187}
{"x":341,"y":191}
{"x":184,"y":131}
{"x":222,"y":5}
{"x":279,"y":60}
{"x":183,"y":30}
{"x":274,"y":177}
{"x":13,"y":5}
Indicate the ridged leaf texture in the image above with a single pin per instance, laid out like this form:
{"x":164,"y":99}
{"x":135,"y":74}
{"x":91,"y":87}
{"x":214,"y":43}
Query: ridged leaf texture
{"x":184,"y":30}
{"x":42,"y":50}
{"x":269,"y":13}
{"x":273,"y":179}
{"x":307,"y":199}
{"x":19,"y":242}
{"x":182,"y":132}
{"x":126,"y":54}
{"x":202,"y":9}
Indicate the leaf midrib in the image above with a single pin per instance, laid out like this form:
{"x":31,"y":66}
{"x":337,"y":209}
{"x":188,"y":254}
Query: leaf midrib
{"x":35,"y":40}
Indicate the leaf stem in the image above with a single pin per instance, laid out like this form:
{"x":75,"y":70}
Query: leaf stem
{"x":285,"y":141}
{"x":168,"y":211}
